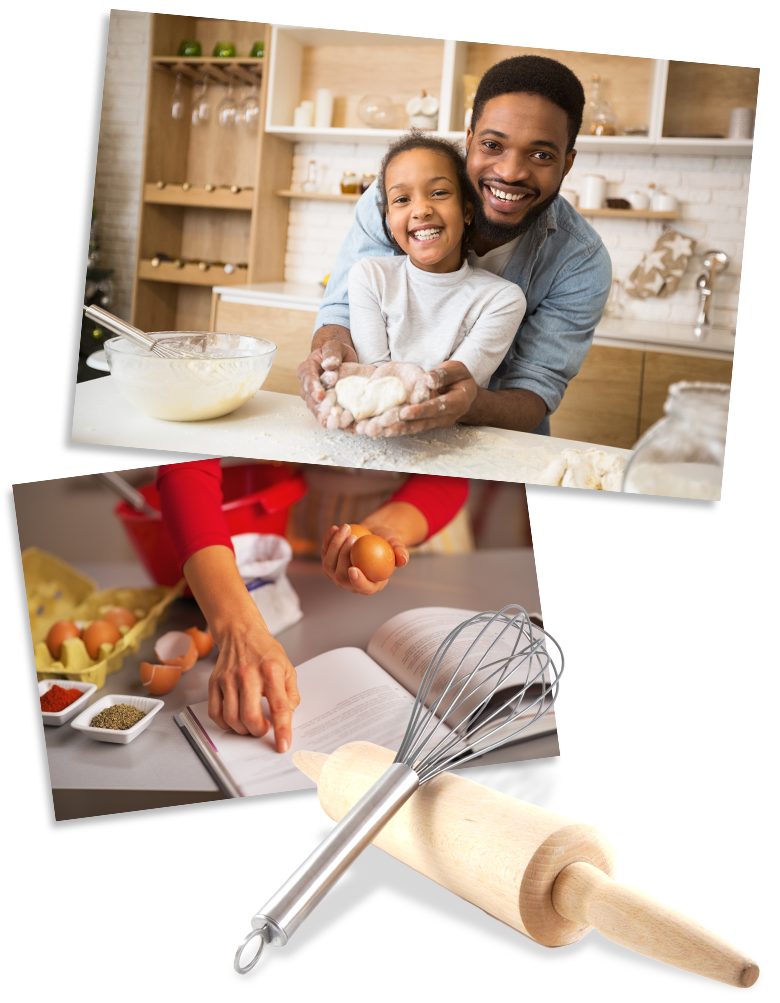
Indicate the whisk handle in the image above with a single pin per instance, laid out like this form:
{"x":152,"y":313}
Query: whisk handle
{"x":284,"y":912}
{"x":118,"y":326}
{"x":629,"y":917}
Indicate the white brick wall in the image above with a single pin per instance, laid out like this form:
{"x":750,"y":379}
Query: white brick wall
{"x":120,"y":149}
{"x":712,"y":192}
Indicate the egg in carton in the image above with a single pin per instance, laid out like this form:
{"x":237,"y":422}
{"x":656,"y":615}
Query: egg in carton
{"x":56,"y":591}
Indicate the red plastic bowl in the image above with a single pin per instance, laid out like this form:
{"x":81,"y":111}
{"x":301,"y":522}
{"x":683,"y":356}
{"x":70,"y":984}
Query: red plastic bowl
{"x":257,"y":499}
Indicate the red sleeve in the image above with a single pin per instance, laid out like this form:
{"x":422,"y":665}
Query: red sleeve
{"x":191,"y":505}
{"x":438,"y":498}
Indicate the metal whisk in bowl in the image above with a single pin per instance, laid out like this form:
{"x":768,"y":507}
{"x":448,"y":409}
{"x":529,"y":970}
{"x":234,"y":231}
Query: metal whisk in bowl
{"x":489,"y":681}
{"x":133,"y":334}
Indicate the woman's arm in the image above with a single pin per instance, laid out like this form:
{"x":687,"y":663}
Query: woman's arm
{"x":421,"y":507}
{"x":251,"y":663}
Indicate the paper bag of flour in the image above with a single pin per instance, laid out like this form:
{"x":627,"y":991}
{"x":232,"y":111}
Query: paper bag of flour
{"x":262,"y":561}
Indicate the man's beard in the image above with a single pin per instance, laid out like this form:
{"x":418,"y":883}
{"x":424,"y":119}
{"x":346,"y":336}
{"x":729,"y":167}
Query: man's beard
{"x":504,"y":232}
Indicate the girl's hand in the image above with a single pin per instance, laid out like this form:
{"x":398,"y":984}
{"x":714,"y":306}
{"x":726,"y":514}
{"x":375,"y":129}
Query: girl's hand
{"x":251,"y":665}
{"x":455,"y":391}
{"x":336,"y":547}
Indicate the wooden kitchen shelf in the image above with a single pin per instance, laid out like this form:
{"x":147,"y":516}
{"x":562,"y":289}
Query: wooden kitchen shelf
{"x":244,"y":69}
{"x":190,"y":274}
{"x":629,"y":213}
{"x":320,"y":196}
{"x":220,"y":198}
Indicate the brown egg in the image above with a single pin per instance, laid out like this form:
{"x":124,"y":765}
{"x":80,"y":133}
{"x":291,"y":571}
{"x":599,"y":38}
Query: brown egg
{"x":204,"y":642}
{"x":176,"y":648}
{"x":120,"y":617}
{"x":159,"y":679}
{"x":357,"y":530}
{"x":61,"y":631}
{"x":99,"y":632}
{"x":374,"y":556}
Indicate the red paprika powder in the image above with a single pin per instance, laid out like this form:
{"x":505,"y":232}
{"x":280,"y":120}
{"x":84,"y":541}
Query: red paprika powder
{"x":58,"y":698}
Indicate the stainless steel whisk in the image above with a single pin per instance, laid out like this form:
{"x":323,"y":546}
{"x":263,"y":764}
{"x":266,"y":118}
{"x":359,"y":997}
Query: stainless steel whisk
{"x":504,"y":682}
{"x":134,"y":334}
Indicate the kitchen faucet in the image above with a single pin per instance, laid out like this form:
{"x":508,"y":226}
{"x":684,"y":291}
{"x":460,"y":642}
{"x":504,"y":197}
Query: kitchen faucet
{"x":714,"y":262}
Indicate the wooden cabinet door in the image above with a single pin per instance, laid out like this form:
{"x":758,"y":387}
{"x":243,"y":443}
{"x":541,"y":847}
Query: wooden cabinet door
{"x":601,"y":404}
{"x":662,"y":369}
{"x":290,"y":330}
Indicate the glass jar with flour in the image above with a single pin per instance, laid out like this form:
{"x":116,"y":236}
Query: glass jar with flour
{"x":681,"y":456}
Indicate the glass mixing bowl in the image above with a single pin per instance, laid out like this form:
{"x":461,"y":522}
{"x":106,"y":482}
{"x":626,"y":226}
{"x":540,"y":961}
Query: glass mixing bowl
{"x":224,"y":371}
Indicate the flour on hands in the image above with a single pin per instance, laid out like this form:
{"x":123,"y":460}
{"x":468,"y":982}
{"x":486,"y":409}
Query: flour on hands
{"x":366,"y":399}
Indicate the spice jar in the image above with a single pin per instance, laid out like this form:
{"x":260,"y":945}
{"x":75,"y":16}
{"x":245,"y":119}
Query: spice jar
{"x":681,"y":456}
{"x":349,"y":184}
{"x":366,"y":181}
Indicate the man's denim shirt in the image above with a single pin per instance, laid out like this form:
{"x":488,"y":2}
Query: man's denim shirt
{"x":560,"y":264}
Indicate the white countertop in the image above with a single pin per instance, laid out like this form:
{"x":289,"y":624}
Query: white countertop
{"x":275,"y":426}
{"x":647,"y":335}
{"x":653,"y":336}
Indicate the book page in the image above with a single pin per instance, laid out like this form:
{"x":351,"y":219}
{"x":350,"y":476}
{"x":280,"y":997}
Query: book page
{"x":406,"y":643}
{"x":345,"y":697}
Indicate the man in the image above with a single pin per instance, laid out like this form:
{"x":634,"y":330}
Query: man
{"x":519,"y":148}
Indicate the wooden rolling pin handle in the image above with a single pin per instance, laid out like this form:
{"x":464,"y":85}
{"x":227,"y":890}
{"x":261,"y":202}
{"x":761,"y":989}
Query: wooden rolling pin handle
{"x":629,"y":917}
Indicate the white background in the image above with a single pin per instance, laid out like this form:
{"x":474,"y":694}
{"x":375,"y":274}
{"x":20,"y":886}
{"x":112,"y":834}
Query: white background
{"x":654,"y":566}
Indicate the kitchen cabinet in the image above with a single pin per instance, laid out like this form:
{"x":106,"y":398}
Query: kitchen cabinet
{"x":619,"y":393}
{"x":206,"y":190}
{"x":661,"y":370}
{"x":289,"y":327}
{"x":602,"y":402}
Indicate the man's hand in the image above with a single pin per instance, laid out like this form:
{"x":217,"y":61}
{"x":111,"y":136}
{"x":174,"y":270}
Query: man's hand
{"x":251,"y":665}
{"x":453,"y":391}
{"x":331,"y":346}
{"x":336,"y":547}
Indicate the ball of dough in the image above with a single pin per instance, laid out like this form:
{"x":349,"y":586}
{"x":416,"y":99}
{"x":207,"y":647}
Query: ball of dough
{"x":365,"y":398}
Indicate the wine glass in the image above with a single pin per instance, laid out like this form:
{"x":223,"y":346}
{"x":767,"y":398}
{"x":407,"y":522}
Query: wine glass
{"x":249,"y":113}
{"x":177,"y":102}
{"x":201,"y":108}
{"x":227,"y":113}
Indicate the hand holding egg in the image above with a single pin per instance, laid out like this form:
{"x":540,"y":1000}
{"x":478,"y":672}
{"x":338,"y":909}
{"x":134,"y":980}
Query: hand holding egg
{"x":363,"y":569}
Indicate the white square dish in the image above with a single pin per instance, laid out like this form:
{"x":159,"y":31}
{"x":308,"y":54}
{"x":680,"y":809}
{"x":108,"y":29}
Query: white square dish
{"x":146,"y":704}
{"x":59,"y":717}
{"x":19,"y":720}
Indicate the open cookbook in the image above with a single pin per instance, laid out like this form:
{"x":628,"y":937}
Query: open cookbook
{"x":347,"y":695}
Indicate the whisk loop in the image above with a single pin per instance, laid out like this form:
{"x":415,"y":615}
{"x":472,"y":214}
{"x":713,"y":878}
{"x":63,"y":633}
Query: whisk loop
{"x":477,"y":694}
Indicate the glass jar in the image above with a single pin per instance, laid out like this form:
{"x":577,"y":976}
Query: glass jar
{"x":681,"y":456}
{"x":366,"y":181}
{"x":349,"y":183}
{"x":598,"y":112}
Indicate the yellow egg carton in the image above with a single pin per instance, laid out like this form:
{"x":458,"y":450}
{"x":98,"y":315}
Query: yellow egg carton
{"x":56,"y":591}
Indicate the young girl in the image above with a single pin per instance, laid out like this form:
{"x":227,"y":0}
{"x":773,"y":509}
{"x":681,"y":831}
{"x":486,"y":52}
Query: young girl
{"x":425,"y":304}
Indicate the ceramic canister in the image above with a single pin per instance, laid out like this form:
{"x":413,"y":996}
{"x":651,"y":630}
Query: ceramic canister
{"x":594,"y":191}
{"x":663,"y":202}
{"x":639,"y":200}
{"x":323,"y":111}
{"x":570,"y":195}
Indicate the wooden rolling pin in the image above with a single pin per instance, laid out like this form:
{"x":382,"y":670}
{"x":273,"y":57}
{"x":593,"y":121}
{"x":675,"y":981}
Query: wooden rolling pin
{"x":543,"y":874}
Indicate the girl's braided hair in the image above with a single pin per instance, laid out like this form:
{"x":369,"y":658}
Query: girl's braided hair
{"x":417,"y":140}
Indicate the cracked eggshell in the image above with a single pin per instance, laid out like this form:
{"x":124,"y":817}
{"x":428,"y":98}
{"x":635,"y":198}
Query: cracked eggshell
{"x":204,"y":642}
{"x":159,"y":679}
{"x":176,"y":648}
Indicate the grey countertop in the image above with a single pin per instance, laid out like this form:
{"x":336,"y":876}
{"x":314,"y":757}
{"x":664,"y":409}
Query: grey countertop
{"x":160,"y":759}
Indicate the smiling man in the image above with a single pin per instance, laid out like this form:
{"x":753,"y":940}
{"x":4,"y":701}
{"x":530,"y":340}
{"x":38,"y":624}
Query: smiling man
{"x":519,"y":148}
